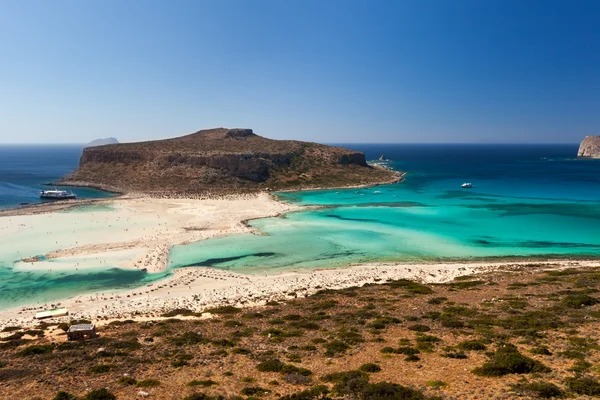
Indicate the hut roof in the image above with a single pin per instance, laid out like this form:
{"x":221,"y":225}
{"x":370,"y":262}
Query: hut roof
{"x":81,"y":327}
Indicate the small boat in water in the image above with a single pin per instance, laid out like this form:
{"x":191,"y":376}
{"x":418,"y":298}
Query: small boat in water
{"x":57,"y":195}
{"x":466,"y":185}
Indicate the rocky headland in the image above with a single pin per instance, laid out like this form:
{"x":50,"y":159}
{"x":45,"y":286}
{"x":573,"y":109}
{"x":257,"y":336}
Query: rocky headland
{"x":589,"y":147}
{"x":222,"y":161}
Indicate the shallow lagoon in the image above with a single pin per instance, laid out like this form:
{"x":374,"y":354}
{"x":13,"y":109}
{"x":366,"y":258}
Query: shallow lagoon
{"x":525,"y":201}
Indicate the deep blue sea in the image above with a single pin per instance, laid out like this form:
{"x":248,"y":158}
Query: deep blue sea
{"x":25,"y":169}
{"x":526,"y":200}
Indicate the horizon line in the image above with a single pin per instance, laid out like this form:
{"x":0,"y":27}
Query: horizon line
{"x":326,"y":143}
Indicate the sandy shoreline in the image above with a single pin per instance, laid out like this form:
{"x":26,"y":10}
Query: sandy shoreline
{"x":198,"y":289}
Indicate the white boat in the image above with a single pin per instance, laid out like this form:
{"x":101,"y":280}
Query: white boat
{"x":57,"y":195}
{"x":466,"y":185}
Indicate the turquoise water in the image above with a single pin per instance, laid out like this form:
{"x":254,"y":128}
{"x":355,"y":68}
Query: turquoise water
{"x":525,"y":201}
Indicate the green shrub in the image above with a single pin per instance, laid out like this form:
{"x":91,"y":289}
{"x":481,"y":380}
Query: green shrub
{"x":254,"y":391}
{"x":426,"y":342}
{"x":335,"y":347}
{"x":224,"y":310}
{"x":241,"y":350}
{"x":178,"y":311}
{"x":437,"y":300}
{"x":101,"y":369}
{"x":270,"y":366}
{"x":148,"y":383}
{"x":407,"y":351}
{"x":292,"y":369}
{"x":203,"y":383}
{"x":369,"y":367}
{"x":458,"y":355}
{"x":36,"y":350}
{"x":436,"y":384}
{"x":412,"y":358}
{"x":580,"y":366}
{"x":542,"y":350}
{"x":127,"y":380}
{"x":62,"y":395}
{"x":507,"y":360}
{"x":586,"y":385}
{"x":314,"y":393}
{"x":347,"y":383}
{"x":223,"y":343}
{"x":389,"y":391}
{"x":419,"y":328}
{"x":410,"y":286}
{"x":350,"y":336}
{"x":100,"y":394}
{"x":540,"y":390}
{"x":451,"y":321}
{"x":132,"y":344}
{"x":179,"y":363}
{"x":579,"y":300}
{"x":474,"y":345}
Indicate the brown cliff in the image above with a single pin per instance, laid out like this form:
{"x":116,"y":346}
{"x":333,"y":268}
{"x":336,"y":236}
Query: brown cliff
{"x":222,"y":161}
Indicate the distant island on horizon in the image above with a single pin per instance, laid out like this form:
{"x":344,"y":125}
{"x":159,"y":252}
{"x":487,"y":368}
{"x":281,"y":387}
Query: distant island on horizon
{"x":102,"y":142}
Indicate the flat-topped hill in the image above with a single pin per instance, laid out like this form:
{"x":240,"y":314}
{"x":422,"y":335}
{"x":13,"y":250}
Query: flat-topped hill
{"x":590,"y":147}
{"x":222,"y":161}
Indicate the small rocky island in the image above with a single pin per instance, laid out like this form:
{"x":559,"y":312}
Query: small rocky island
{"x":102,"y":142}
{"x":222,"y":161}
{"x":590,"y":147}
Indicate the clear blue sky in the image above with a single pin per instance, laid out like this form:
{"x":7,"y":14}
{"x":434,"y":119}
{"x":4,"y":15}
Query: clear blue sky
{"x":323,"y":70}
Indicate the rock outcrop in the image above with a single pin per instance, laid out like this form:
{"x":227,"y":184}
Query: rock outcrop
{"x":590,"y":147}
{"x":222,"y":161}
{"x":102,"y":142}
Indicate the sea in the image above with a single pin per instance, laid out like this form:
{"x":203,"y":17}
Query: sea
{"x":27,"y":170}
{"x":533,"y":201}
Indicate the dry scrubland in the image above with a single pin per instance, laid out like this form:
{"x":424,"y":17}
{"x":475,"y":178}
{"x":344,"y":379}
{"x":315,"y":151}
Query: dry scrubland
{"x":525,"y":333}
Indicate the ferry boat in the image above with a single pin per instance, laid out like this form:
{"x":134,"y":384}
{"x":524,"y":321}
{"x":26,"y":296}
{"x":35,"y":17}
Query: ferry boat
{"x":57,"y":195}
{"x":466,"y":185}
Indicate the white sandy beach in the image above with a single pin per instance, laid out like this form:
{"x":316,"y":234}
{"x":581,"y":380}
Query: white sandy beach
{"x":126,"y":232}
{"x":138,"y":232}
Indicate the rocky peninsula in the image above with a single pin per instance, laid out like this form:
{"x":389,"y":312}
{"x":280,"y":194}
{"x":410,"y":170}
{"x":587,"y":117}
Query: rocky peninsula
{"x":589,"y":147}
{"x":222,"y":161}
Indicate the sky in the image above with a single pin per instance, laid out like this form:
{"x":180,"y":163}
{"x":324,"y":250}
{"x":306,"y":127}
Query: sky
{"x":333,"y":71}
